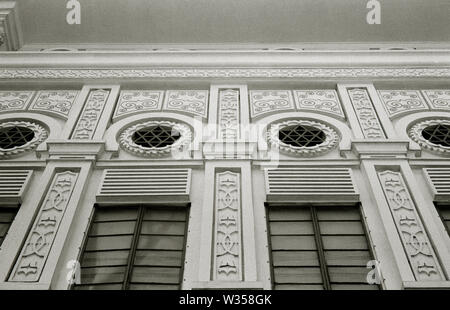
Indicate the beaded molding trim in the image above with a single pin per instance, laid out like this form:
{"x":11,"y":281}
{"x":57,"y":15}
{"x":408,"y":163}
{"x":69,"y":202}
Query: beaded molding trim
{"x":415,"y":133}
{"x":330,"y":142}
{"x":182,"y":144}
{"x":40,"y":134}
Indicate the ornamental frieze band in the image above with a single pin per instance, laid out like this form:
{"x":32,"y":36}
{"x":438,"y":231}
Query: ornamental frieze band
{"x":225,"y":72}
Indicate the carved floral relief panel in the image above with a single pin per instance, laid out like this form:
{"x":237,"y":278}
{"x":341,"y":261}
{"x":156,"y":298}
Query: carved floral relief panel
{"x":400,"y":102}
{"x":58,"y":102}
{"x":438,"y":99}
{"x":14,"y":100}
{"x":413,"y":235}
{"x":133,"y":101}
{"x":326,"y":101}
{"x":31,"y":261}
{"x":265,"y":101}
{"x":194,"y":102}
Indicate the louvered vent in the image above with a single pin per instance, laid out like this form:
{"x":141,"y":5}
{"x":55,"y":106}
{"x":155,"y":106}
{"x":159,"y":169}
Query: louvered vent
{"x":145,"y":185}
{"x":439,"y":180}
{"x":310,"y":185}
{"x":13,"y":184}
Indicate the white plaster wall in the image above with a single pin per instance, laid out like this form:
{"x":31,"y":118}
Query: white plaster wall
{"x":386,"y":246}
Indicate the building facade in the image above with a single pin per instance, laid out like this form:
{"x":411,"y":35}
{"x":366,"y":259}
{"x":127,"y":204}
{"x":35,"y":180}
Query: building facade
{"x":242,"y":169}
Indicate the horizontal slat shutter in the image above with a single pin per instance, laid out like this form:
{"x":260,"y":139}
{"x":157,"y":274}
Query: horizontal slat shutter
{"x":13,"y":185}
{"x":345,"y":246}
{"x":295,"y":256}
{"x":160,"y":249}
{"x":142,"y":185}
{"x":310,"y":185}
{"x":445,"y":215}
{"x":439,"y":181}
{"x":107,"y":251}
{"x":158,"y":258}
{"x":6,"y":218}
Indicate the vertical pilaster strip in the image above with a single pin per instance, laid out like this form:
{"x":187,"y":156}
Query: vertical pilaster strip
{"x":349,"y":111}
{"x":33,"y":256}
{"x":91,"y":114}
{"x":366,"y":113}
{"x":418,"y":247}
{"x":227,"y":231}
{"x":207,"y":225}
{"x":248,"y":223}
{"x":382,"y":114}
{"x":227,"y":250}
{"x":105,"y":119}
{"x":229,"y":114}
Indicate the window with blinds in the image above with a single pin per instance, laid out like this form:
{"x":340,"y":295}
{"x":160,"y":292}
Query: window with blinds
{"x":134,"y":248}
{"x":318,"y":248}
{"x":444,"y":211}
{"x":7,"y":216}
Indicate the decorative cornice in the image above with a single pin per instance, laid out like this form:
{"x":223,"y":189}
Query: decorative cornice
{"x":339,"y":64}
{"x":225,"y":73}
{"x":10,"y":33}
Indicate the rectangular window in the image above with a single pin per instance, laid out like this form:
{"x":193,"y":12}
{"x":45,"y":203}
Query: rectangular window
{"x":318,"y":248}
{"x":134,"y":248}
{"x":444,"y":211}
{"x":7,"y":216}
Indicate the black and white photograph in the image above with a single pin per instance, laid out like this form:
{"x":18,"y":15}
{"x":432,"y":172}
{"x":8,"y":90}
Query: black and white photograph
{"x":215,"y":153}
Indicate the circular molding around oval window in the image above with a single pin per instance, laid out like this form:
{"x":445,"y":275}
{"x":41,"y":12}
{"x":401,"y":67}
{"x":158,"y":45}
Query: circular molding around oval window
{"x":304,"y":138}
{"x":17,"y":137}
{"x":156,"y":138}
{"x":432,"y":135}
